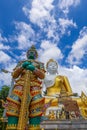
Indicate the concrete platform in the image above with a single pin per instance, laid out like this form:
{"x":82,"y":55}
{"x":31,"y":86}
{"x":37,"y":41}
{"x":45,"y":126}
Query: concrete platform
{"x":80,"y":124}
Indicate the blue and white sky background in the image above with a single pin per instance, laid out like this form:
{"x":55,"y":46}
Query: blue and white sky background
{"x":58,"y":29}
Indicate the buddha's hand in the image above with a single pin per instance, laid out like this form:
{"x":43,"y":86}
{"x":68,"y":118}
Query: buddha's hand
{"x":28,"y":66}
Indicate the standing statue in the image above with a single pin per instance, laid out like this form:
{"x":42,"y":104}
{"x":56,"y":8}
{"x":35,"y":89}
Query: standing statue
{"x":25,"y":102}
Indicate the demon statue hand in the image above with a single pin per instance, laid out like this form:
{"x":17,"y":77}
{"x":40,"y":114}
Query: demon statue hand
{"x":26,"y":101}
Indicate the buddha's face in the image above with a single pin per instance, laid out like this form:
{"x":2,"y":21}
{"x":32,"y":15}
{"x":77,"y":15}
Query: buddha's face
{"x":52,"y":67}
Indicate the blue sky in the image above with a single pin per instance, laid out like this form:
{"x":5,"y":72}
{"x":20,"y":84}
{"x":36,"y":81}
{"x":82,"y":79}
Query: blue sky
{"x":58,"y":29}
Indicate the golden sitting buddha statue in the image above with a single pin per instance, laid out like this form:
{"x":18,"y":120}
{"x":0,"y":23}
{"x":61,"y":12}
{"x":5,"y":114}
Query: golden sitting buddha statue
{"x":55,"y":85}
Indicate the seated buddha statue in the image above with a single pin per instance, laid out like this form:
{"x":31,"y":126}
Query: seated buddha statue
{"x":54,"y":82}
{"x":55,"y":85}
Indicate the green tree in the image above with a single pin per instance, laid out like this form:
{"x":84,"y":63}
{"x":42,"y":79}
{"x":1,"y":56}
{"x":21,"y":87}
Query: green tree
{"x":3,"y":94}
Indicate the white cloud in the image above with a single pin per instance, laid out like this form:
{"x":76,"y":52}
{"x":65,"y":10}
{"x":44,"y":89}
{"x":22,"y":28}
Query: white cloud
{"x":64,"y":5}
{"x":79,"y":48}
{"x":2,"y":41}
{"x":49,"y":50}
{"x":52,"y":30}
{"x":40,"y":11}
{"x":4,"y":58}
{"x":5,"y":79}
{"x":22,"y":56}
{"x":7,"y":63}
{"x":26,"y":33}
{"x":53,"y":24}
{"x":65,"y":23}
{"x":40,"y":14}
{"x":77,"y":78}
{"x":4,"y":47}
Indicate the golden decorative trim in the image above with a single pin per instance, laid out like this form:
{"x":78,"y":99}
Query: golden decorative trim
{"x":14,"y":101}
{"x":34,"y":93}
{"x":34,"y":84}
{"x":37,"y":101}
{"x":18,"y":92}
{"x":23,"y":116}
{"x":38,"y":105}
{"x":13,"y":111}
{"x":11,"y":127}
{"x":22,"y":79}
{"x":84,"y":98}
{"x":35,"y":114}
{"x":34,"y":127}
{"x":35,"y":106}
{"x":12,"y":114}
{"x":19,"y":83}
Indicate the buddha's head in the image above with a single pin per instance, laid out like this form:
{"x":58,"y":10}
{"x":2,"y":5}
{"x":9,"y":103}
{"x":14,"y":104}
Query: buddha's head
{"x":32,"y":53}
{"x":52,"y":66}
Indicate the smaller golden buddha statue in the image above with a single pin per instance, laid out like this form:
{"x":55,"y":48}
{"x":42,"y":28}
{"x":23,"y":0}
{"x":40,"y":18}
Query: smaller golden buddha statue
{"x":52,"y":115}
